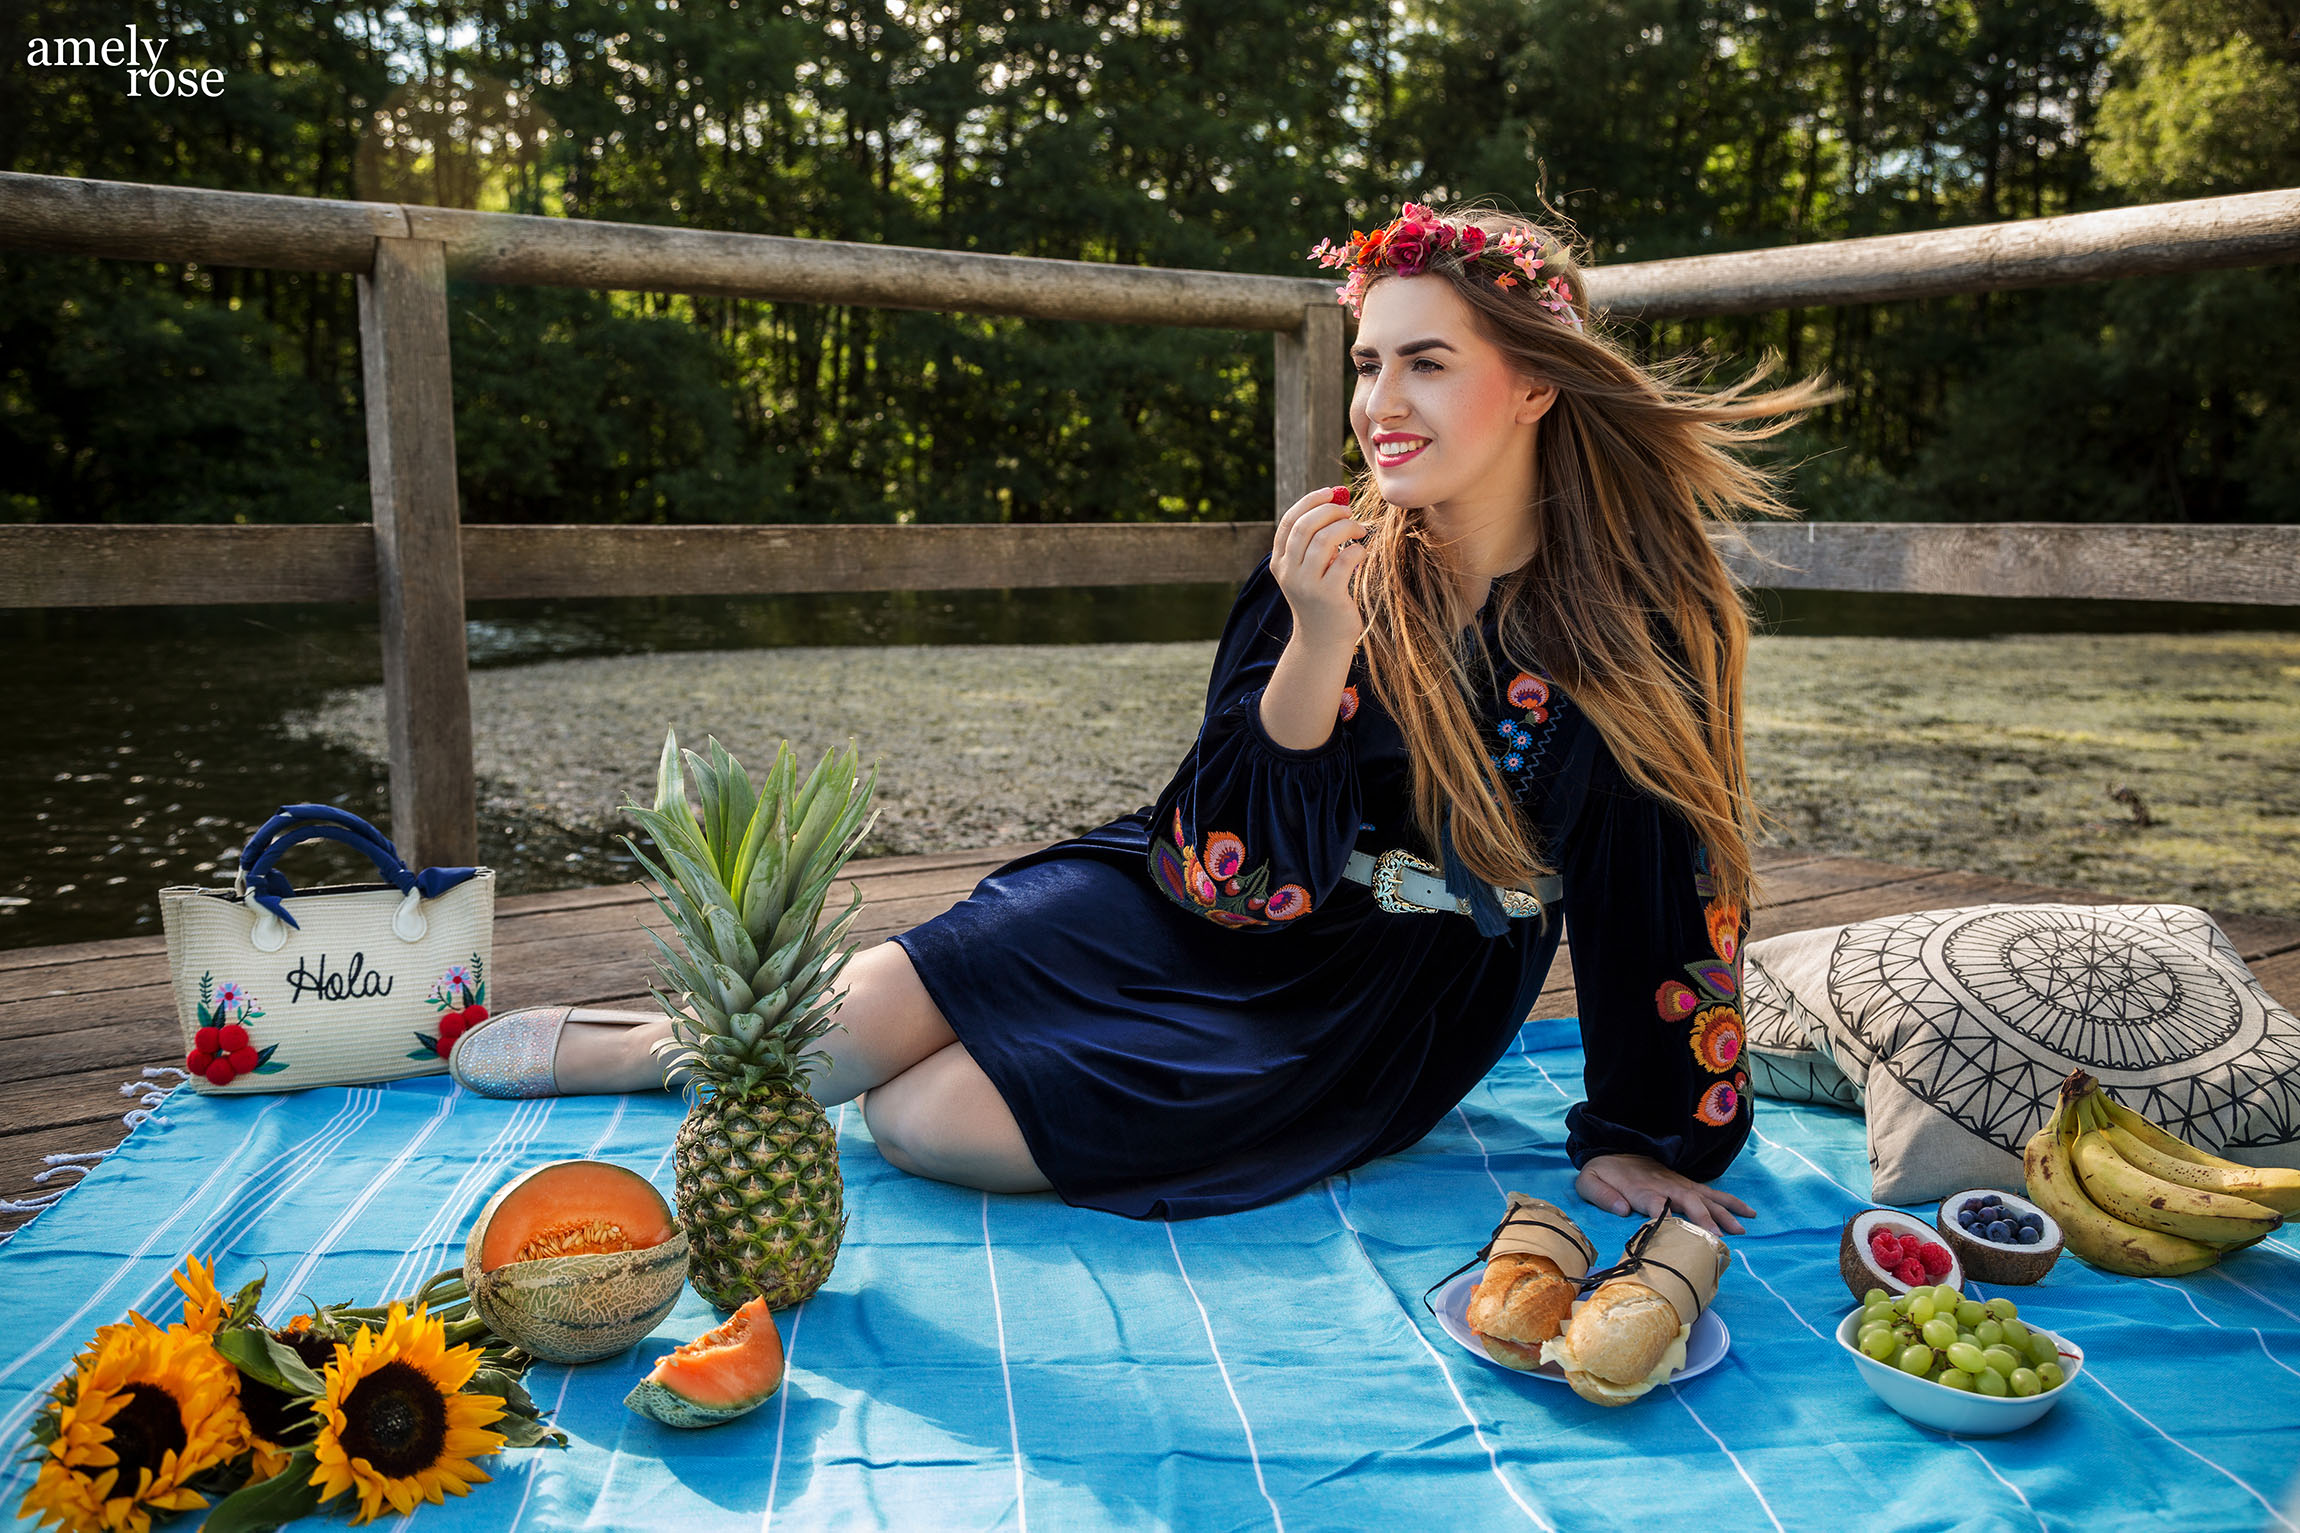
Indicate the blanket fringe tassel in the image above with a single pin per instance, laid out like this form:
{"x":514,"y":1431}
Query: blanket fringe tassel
{"x":151,"y":1090}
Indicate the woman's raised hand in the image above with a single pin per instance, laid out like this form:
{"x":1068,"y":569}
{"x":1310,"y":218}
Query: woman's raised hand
{"x":1315,"y":552}
{"x":1624,"y":1184}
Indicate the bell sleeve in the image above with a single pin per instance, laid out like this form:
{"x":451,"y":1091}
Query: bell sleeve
{"x":1657,"y":969}
{"x":1250,"y":834}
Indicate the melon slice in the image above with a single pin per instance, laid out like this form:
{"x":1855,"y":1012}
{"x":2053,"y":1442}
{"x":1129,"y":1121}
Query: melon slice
{"x":575,"y":1261}
{"x":721,"y":1374}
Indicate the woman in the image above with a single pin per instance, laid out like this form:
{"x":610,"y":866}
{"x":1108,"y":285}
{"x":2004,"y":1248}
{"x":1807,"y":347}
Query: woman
{"x":1512,"y":656}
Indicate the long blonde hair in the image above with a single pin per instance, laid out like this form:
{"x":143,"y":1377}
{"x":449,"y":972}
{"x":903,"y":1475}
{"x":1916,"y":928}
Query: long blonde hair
{"x":1631,"y":465}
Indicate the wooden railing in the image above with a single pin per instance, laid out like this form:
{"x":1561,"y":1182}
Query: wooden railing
{"x":421,"y":565}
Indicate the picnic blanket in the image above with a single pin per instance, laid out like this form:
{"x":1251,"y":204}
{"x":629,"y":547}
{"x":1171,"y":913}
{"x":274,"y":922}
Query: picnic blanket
{"x":1008,"y":1362}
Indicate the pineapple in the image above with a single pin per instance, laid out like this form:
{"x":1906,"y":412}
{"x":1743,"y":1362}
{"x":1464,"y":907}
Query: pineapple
{"x":748,"y":992}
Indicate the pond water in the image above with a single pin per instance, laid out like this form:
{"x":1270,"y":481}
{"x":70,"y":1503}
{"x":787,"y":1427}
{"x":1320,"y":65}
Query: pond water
{"x":148,"y":742}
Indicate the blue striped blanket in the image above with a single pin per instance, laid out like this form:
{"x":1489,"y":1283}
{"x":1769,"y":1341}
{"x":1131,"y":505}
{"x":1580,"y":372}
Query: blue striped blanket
{"x":1009,"y":1362}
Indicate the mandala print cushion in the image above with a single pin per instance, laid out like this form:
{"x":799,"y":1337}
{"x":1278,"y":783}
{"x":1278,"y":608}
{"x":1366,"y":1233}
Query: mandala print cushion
{"x":1957,"y":1026}
{"x":1788,"y":1049}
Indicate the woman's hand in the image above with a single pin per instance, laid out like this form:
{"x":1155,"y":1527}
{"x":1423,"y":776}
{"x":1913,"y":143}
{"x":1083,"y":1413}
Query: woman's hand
{"x":1623,"y":1184}
{"x":1314,"y":554}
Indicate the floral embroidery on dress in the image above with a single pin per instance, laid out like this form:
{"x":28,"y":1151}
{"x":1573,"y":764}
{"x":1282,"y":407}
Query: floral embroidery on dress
{"x":1718,"y":1033}
{"x":1717,"y":1038}
{"x":1719,"y":1105}
{"x":1519,"y":747}
{"x":1349,"y":707}
{"x":1218,"y":885}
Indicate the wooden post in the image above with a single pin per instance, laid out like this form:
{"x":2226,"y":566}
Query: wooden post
{"x":418,"y":552}
{"x":1310,"y":408}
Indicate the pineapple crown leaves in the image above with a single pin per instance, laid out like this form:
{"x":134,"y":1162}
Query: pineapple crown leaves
{"x":743,"y":873}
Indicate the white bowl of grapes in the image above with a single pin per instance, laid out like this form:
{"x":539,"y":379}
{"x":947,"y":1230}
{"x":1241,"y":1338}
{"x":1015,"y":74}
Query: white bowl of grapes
{"x":1956,"y":1363}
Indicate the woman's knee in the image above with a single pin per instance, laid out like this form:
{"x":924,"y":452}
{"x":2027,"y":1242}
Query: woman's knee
{"x":943,"y":1119}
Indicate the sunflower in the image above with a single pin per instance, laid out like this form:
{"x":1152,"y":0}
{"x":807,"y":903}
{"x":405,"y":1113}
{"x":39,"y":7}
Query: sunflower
{"x":392,"y":1425}
{"x":145,"y":1412}
{"x":280,"y":1422}
{"x":204,"y":1306}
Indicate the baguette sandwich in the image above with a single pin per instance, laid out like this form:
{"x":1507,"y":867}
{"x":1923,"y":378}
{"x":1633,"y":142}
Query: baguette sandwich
{"x":1535,"y":1263}
{"x":1630,"y":1333}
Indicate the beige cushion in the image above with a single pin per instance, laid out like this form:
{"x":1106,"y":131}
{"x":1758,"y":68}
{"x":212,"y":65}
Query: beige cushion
{"x":1956,"y":1027}
{"x":1787,"y":1050}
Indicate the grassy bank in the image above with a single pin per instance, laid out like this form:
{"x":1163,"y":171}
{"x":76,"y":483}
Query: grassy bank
{"x":1997,"y":755}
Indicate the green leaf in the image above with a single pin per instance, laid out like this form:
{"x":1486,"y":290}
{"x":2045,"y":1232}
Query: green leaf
{"x":267,"y":1360}
{"x":269,"y":1503}
{"x":670,"y":788}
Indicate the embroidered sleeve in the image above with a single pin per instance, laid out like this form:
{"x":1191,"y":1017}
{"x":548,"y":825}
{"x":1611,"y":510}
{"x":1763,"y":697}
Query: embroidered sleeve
{"x":1657,"y":971}
{"x":1249,"y":833}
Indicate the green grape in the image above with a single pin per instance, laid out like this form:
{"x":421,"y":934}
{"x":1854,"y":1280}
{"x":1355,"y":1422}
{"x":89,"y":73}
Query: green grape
{"x":1868,"y":1331}
{"x":1991,"y":1382}
{"x":2001,"y":1309}
{"x":1917,"y":1360}
{"x":1940,"y":1331}
{"x":1875,"y":1296}
{"x":1879,"y":1314}
{"x":2042,"y":1350}
{"x":1967,"y":1357}
{"x":2024,"y":1382}
{"x":1956,"y":1378}
{"x":1989,"y":1332}
{"x":2003,"y":1359}
{"x":1970,"y":1312}
{"x":1921,"y":1308}
{"x":2016,"y":1335}
{"x":1968,"y":1338}
{"x":1880,"y":1344}
{"x":2049,"y":1375}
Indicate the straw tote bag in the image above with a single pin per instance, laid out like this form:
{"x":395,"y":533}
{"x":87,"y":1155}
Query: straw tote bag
{"x":278,"y":988}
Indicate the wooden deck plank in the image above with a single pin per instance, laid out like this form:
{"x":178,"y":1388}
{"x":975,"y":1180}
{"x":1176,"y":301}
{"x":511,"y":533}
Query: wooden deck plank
{"x":106,"y":1011}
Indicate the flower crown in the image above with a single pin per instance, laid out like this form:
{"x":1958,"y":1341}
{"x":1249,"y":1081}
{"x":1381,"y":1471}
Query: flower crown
{"x":1408,"y":244}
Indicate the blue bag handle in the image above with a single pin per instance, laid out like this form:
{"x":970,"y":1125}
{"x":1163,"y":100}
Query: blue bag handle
{"x":298,"y":823}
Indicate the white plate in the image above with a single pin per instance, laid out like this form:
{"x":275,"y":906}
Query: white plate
{"x":1704,"y":1349}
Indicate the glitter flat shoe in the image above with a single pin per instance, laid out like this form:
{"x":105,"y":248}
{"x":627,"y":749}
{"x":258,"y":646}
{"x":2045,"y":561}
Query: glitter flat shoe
{"x":510,"y":1055}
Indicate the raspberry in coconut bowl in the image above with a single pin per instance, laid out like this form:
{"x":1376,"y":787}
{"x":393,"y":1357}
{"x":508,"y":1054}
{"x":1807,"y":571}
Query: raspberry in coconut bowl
{"x":1885,"y":1248}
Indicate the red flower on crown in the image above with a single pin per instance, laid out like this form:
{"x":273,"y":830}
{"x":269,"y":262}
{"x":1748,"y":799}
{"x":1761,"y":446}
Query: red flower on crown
{"x":1417,"y":236}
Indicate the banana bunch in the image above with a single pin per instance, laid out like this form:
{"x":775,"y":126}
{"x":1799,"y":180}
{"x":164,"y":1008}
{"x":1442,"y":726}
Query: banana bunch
{"x":2131,"y":1198}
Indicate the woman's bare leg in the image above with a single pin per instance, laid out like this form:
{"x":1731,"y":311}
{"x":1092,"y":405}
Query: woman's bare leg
{"x":942,"y":1118}
{"x":887,"y":1024}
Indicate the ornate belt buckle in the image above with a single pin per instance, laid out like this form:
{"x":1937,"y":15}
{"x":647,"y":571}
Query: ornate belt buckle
{"x":1390,"y":869}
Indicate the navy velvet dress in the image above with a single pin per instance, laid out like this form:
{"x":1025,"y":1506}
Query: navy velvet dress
{"x":1190,"y":1011}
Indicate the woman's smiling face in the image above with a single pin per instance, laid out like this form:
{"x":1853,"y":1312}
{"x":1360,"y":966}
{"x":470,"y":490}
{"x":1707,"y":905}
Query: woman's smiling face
{"x":1439,"y":413}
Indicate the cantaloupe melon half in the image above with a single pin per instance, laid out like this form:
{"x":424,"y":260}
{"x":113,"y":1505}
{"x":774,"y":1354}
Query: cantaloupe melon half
{"x":575,"y":1261}
{"x":718,"y":1376}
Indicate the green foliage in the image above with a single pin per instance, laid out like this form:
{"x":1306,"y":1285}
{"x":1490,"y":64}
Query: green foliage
{"x":1159,"y":132}
{"x":2206,"y":98}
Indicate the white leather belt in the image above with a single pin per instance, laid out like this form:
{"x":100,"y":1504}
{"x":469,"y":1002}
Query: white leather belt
{"x":1408,"y":885}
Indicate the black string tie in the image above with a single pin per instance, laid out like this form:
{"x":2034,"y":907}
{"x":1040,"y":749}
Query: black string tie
{"x":1634,"y":1260}
{"x":1485,"y":1252}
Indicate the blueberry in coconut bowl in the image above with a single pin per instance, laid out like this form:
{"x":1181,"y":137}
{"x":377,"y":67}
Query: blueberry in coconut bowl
{"x":1999,"y":1237}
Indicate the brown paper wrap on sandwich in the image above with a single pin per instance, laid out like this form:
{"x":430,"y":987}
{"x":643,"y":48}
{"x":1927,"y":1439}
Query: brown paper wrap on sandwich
{"x":1629,"y":1333}
{"x":1534,"y":1265}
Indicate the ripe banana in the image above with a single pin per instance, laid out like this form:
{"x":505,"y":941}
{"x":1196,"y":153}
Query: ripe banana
{"x":2175,"y":1160}
{"x":2106,"y":1242}
{"x":2125,"y":1191}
